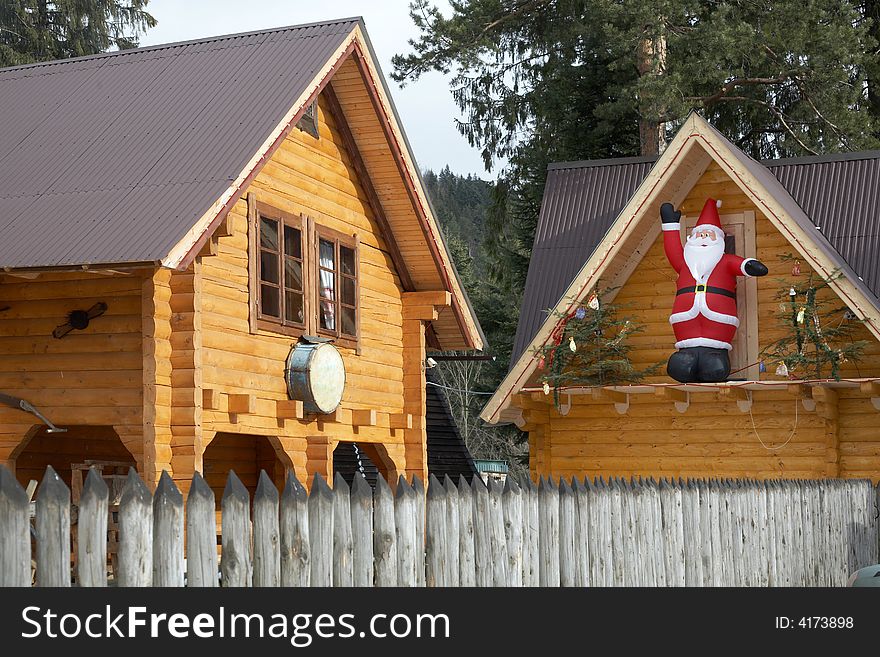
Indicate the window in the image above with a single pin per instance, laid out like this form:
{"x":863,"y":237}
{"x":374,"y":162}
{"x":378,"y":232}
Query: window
{"x":309,"y":121}
{"x":280,"y":271}
{"x":337,"y":284}
{"x":304,"y":278}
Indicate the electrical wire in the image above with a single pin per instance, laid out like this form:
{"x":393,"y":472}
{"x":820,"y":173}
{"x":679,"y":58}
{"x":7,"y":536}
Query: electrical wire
{"x":790,"y":436}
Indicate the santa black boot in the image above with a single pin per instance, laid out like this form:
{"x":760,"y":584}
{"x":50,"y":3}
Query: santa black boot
{"x":713,"y":365}
{"x":682,"y":365}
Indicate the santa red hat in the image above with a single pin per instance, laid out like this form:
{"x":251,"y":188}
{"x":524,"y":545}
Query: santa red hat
{"x":709,"y":215}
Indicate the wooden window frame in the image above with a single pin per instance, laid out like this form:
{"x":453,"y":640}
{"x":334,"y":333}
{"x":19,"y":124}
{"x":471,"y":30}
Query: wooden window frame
{"x":260,"y":320}
{"x":352,"y":242}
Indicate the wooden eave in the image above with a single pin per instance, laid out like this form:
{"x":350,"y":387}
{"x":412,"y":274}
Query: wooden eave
{"x":690,"y":152}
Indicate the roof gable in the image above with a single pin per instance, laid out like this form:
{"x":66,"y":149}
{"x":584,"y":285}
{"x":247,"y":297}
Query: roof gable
{"x":636,"y":227}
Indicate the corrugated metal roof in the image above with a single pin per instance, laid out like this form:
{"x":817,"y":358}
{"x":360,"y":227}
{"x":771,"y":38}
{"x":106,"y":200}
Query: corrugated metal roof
{"x":838,"y":193}
{"x":113,"y":158}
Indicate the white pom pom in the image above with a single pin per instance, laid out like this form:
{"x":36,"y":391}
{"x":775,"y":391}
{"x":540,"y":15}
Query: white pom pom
{"x":718,"y":203}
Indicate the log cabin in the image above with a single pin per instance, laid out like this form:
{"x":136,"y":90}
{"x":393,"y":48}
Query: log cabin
{"x":600,"y":228}
{"x":184,"y":229}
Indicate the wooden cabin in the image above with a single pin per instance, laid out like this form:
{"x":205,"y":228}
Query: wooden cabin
{"x":600,"y":228}
{"x":208,"y":207}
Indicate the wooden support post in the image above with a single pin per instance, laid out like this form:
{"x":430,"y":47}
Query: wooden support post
{"x":681,"y":398}
{"x":742,"y":397}
{"x":289,"y":409}
{"x":828,"y":411}
{"x":872,"y":389}
{"x":319,"y":457}
{"x":805,"y":394}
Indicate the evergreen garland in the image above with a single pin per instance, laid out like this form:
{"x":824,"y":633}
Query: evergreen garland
{"x":589,"y":348}
{"x":819,"y":329}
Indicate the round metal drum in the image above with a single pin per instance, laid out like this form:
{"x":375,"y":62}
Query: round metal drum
{"x":316,"y":376}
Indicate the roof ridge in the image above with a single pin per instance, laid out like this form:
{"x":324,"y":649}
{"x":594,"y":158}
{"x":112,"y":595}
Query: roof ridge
{"x":178,"y":44}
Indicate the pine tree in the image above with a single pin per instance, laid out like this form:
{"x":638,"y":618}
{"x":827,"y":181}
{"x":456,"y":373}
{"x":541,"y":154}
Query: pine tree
{"x":590,"y":348}
{"x":818,"y":329}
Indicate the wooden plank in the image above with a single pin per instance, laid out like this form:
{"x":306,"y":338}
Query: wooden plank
{"x":342,"y":536}
{"x":15,"y":539}
{"x":582,"y":535}
{"x":548,"y":533}
{"x":511,"y":500}
{"x":235,"y":565}
{"x":91,"y":532}
{"x":466,"y":561}
{"x":294,"y":528}
{"x":451,"y":541}
{"x":384,"y":535}
{"x":321,"y":509}
{"x":267,"y":557}
{"x":436,"y":561}
{"x":135,"y":553}
{"x":419,"y":492}
{"x":168,"y":570}
{"x":201,"y":535}
{"x":362,"y":531}
{"x":405,"y":520}
{"x":482,"y":534}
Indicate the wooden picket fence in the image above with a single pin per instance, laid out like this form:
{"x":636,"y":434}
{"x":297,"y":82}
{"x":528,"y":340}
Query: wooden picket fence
{"x":569,"y":533}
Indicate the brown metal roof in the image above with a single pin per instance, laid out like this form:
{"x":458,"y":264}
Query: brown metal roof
{"x":839,"y":193}
{"x":113,"y":158}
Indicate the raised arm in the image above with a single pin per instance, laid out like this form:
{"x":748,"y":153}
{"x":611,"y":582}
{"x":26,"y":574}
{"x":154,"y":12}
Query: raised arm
{"x":740,"y":266}
{"x":671,"y":219}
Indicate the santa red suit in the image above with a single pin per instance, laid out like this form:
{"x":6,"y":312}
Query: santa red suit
{"x":704,"y":311}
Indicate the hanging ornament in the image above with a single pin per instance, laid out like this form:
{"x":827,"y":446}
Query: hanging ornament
{"x":783,"y":307}
{"x":541,"y":363}
{"x":782,"y":370}
{"x":546,"y":388}
{"x":762,"y":367}
{"x":796,"y":269}
{"x":792,"y":293}
{"x":800,"y":316}
{"x":571,"y":344}
{"x":593,"y":302}
{"x":580,"y":313}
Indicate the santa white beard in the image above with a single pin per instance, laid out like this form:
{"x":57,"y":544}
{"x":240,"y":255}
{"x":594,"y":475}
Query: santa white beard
{"x":701,"y":256}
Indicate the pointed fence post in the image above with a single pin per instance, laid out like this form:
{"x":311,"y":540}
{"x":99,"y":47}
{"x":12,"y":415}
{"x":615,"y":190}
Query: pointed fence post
{"x":534,"y":529}
{"x":523,"y":485}
{"x":267,"y":553}
{"x":435,"y":534}
{"x":235,"y":562}
{"x":342,"y":541}
{"x":15,"y":537}
{"x":135,"y":556}
{"x":466,"y":567}
{"x":548,"y":533}
{"x":53,"y":531}
{"x":566,"y":534}
{"x":384,"y":535}
{"x":582,"y":534}
{"x":91,"y":553}
{"x":294,"y":527}
{"x":321,"y":532}
{"x":482,"y":534}
{"x":452,"y":533}
{"x":406,"y":516}
{"x":201,"y":535}
{"x":361,"y":531}
{"x":419,"y":489}
{"x":167,"y":533}
{"x":511,"y":500}
{"x":496,"y":535}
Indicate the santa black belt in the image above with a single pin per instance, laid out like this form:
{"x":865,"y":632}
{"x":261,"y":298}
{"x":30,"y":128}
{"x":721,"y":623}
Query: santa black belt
{"x":706,"y":288}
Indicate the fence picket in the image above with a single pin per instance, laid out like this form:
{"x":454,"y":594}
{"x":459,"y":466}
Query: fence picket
{"x":466,"y":565}
{"x":342,"y":542}
{"x":419,"y":496}
{"x":294,"y":530}
{"x":548,"y":533}
{"x":511,"y":500}
{"x":201,"y":535}
{"x":361,"y":531}
{"x":436,"y":562}
{"x":451,"y":541}
{"x":235,"y":563}
{"x":15,"y":536}
{"x":482,"y":534}
{"x":53,"y":531}
{"x":167,"y":534}
{"x":91,"y":554}
{"x":406,"y":516}
{"x":321,"y":510}
{"x":384,"y":535}
{"x":135,"y":555}
{"x":566,"y":534}
{"x":267,"y":555}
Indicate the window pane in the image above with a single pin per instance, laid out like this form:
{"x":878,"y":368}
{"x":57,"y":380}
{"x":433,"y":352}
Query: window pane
{"x":346,"y":255}
{"x":328,"y":256}
{"x":328,"y":315}
{"x":293,"y":307}
{"x":270,"y":302}
{"x":268,"y":234}
{"x":348,"y":321}
{"x":348,"y":291}
{"x":268,"y":267}
{"x":293,"y":274}
{"x":293,"y":242}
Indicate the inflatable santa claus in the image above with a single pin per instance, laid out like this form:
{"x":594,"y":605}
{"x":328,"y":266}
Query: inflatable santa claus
{"x":704,"y":312}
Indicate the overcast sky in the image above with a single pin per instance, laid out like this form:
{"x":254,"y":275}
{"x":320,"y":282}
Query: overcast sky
{"x":426,"y":107}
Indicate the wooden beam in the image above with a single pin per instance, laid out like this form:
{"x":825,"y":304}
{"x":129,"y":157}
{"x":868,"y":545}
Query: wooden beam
{"x":828,"y":398}
{"x":363,"y":175}
{"x":829,"y":412}
{"x":224,"y":229}
{"x":428,"y":298}
{"x":400,"y":421}
{"x":872,"y":389}
{"x":426,"y":313}
{"x":619,"y":399}
{"x":681,"y":398}
{"x":363,"y":418}
{"x":242,"y":404}
{"x":742,"y":397}
{"x":211,"y":399}
{"x":339,"y":416}
{"x":804,"y":393}
{"x":289,"y":409}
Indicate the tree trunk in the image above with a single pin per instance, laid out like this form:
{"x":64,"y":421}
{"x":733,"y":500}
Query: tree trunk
{"x":651,"y":61}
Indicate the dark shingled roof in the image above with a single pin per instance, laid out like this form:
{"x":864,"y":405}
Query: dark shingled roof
{"x":840,"y":194}
{"x":447,"y":453}
{"x":113,"y":158}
